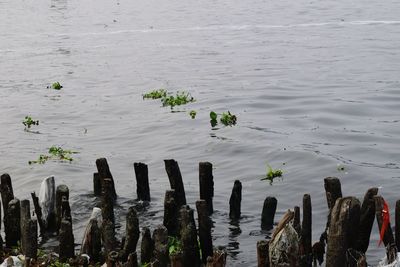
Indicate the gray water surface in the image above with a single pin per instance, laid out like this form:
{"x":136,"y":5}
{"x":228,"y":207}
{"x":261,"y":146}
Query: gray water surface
{"x":314,"y":84}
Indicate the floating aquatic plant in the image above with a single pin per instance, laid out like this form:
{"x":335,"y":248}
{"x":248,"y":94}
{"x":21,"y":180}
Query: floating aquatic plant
{"x":155,"y":94}
{"x":272,"y":174}
{"x":28,"y":122}
{"x":180,"y":98}
{"x":56,"y":86}
{"x":192,"y":114}
{"x":227,"y":118}
{"x":55,"y":153}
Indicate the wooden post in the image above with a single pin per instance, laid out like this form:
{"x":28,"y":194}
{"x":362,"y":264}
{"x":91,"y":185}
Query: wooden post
{"x":61,"y":191}
{"x":176,"y":260}
{"x":367,"y":216}
{"x":66,"y":209}
{"x":66,"y":236}
{"x":104,"y":172}
{"x":112,"y":259}
{"x":296,"y":220}
{"x":171,"y":213}
{"x":46,"y":203}
{"x":262,"y":253}
{"x":306,"y":229}
{"x":30,"y":237}
{"x":268,"y":213}
{"x":96,"y":184}
{"x":91,"y":244}
{"x":12,"y":224}
{"x":108,"y":236}
{"x":205,"y":225}
{"x":107,"y":201}
{"x":132,"y":260}
{"x":147,"y":246}
{"x":175,"y":180}
{"x":345,"y":216}
{"x":190,"y":246}
{"x":6,"y":191}
{"x":397,"y":225}
{"x":142,"y":181}
{"x":38,"y":212}
{"x":160,"y":237}
{"x":235,"y":201}
{"x":206,"y":181}
{"x":333,"y":190}
{"x":131,"y":233}
{"x":218,"y":259}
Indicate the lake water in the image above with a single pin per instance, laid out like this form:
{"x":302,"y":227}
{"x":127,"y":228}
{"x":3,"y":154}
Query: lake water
{"x":314,"y":84}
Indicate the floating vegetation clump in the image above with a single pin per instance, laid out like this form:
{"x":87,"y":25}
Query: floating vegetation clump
{"x":227,"y":118}
{"x":192,"y":114}
{"x":56,"y":86}
{"x":272,"y":174}
{"x":155,"y":94}
{"x":180,"y":98}
{"x":55,"y":153}
{"x":28,"y":122}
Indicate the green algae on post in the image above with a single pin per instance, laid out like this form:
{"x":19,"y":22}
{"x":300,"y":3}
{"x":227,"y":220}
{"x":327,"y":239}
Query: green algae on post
{"x":28,"y":122}
{"x":272,"y":174}
{"x":155,"y":94}
{"x":174,"y":245}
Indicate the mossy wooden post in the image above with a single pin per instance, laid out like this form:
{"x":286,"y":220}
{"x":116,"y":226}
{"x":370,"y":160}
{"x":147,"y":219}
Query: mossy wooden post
{"x":206,"y":181}
{"x":160,"y":237}
{"x":205,"y":225}
{"x":296,"y":220}
{"x":235,"y":201}
{"x":96,"y":184}
{"x":188,"y":234}
{"x":342,"y":234}
{"x":132,"y":233}
{"x":146,"y":247}
{"x":367,"y":216}
{"x":104,"y":171}
{"x":38,"y":212}
{"x":107,"y":201}
{"x":61,"y":191}
{"x":66,"y":237}
{"x":262,"y":253}
{"x":397,"y":225}
{"x":12,"y":223}
{"x":171,"y":213}
{"x":175,"y":180}
{"x":6,"y":190}
{"x":91,"y":244}
{"x":388,"y":239}
{"x":142,"y":181}
{"x":306,"y":233}
{"x":268,"y":213}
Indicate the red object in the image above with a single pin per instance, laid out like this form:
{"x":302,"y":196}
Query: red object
{"x":385,"y":219}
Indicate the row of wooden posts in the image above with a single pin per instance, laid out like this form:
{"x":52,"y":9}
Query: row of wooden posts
{"x":347,"y":232}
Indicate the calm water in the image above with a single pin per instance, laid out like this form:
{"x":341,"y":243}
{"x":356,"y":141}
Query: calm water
{"x":314,"y":84}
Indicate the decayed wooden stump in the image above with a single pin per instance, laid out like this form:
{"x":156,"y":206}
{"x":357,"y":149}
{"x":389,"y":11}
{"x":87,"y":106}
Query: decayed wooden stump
{"x":206,"y":181}
{"x":142,"y":181}
{"x":104,"y":172}
{"x":12,"y":223}
{"x":205,"y":225}
{"x":175,"y":180}
{"x":171,"y":211}
{"x":188,"y":234}
{"x":131,"y":233}
{"x":235,"y":201}
{"x":262,"y":253}
{"x":268,"y":213}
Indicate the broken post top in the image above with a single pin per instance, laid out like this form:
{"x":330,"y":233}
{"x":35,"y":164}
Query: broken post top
{"x":206,"y":181}
{"x":175,"y":180}
{"x":333,"y":190}
{"x":103,"y":168}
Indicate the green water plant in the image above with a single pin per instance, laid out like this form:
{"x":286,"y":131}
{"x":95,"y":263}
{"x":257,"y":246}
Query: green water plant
{"x":28,"y":122}
{"x":174,"y":245}
{"x":56,"y":86}
{"x":193,"y":114}
{"x":55,"y":153}
{"x":272,"y":174}
{"x":227,"y":118}
{"x":180,"y":98}
{"x":155,"y":94}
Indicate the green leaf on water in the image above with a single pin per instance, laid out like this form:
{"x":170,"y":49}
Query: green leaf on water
{"x":193,"y":114}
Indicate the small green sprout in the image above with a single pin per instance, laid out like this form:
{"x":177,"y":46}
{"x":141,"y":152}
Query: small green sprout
{"x":174,"y":245}
{"x":155,"y":94}
{"x":181,"y":98}
{"x":272,"y":174}
{"x":28,"y":122}
{"x":228,"y":119}
{"x":192,"y":114}
{"x":56,"y":86}
{"x":55,"y":153}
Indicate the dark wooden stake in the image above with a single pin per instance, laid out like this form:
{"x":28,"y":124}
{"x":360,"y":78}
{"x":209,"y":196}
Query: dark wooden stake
{"x":66,"y":209}
{"x":160,"y":237}
{"x":108,"y":236}
{"x":6,"y":190}
{"x":296,"y":220}
{"x":96,"y":184}
{"x":112,"y":259}
{"x":142,"y":181}
{"x":343,"y":227}
{"x":306,"y":235}
{"x":91,"y":244}
{"x":235,"y":201}
{"x":205,"y":225}
{"x":104,"y":172}
{"x":12,"y":225}
{"x":171,"y":213}
{"x":175,"y":180}
{"x":190,"y":246}
{"x":38,"y":212}
{"x":367,"y":217}
{"x":61,"y":191}
{"x":25,"y":217}
{"x":132,"y":233}
{"x":132,"y":260}
{"x":30,"y":237}
{"x":268,"y":213}
{"x":397,"y":225}
{"x":107,"y":201}
{"x":206,"y":181}
{"x":262,"y":253}
{"x":66,"y":236}
{"x":333,"y":190}
{"x":176,"y":260}
{"x":146,"y":247}
{"x":218,"y":259}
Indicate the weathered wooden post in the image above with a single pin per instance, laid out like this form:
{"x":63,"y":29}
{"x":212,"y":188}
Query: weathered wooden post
{"x":112,"y":259}
{"x":29,"y":238}
{"x":66,"y":237}
{"x":188,"y":234}
{"x":333,"y":190}
{"x":12,"y":224}
{"x":61,"y":191}
{"x":132,"y":234}
{"x":104,"y":172}
{"x":206,"y":181}
{"x":6,"y":190}
{"x":107,"y":201}
{"x":397,"y":225}
{"x":108,"y":235}
{"x":66,"y":209}
{"x":142,"y":181}
{"x":91,"y":244}
{"x":132,"y":260}
{"x":268,"y":213}
{"x":306,"y":229}
{"x":296,"y":219}
{"x":38,"y":212}
{"x":235,"y":201}
{"x":160,"y":237}
{"x":262,"y":253}
{"x":96,"y":184}
{"x":24,"y":217}
{"x":171,"y":213}
{"x":147,"y":246}
{"x":47,"y":202}
{"x":367,"y":216}
{"x":205,"y":225}
{"x":175,"y":180}
{"x":342,"y":234}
